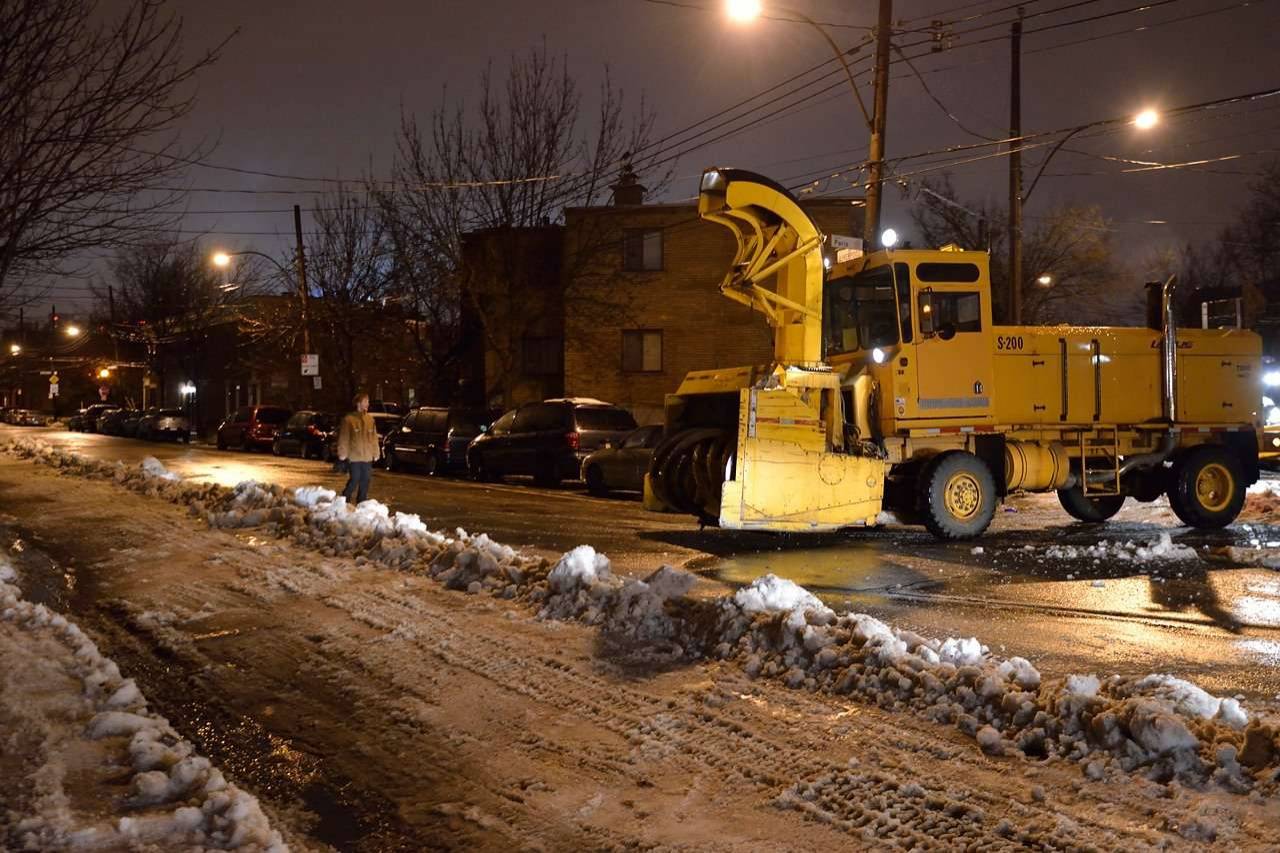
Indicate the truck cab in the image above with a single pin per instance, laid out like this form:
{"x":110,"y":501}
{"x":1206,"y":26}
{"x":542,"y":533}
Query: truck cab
{"x":920,"y":323}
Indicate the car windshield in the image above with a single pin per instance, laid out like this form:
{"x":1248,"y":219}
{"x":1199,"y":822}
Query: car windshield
{"x":861,"y":312}
{"x":272,"y":416}
{"x":604,"y":418}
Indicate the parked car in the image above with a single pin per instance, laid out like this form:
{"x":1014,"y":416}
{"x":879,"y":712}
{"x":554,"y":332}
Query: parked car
{"x":547,"y":440}
{"x":621,"y":466}
{"x":434,"y":439}
{"x":252,"y":427}
{"x":94,"y":414}
{"x":384,"y":423}
{"x":129,"y":426}
{"x":306,"y":434}
{"x":26,"y":417}
{"x":385,"y":407}
{"x":111,"y":422}
{"x":75,"y":423}
{"x":162,"y":424}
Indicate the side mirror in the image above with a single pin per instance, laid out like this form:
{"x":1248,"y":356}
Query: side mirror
{"x":926,"y":312}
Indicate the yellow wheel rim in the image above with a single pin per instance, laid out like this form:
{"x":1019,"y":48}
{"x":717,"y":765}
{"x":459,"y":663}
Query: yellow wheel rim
{"x":1215,"y":487}
{"x":962,"y":496}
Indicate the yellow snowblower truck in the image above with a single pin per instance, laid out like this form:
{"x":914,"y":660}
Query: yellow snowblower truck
{"x":891,"y":389}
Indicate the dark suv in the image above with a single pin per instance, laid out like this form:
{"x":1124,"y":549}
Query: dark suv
{"x":434,"y":438}
{"x":548,"y":440}
{"x":252,"y":427}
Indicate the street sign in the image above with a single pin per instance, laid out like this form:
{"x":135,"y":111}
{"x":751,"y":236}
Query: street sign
{"x":311,"y":364}
{"x":53,"y":378}
{"x":53,"y":390}
{"x":847,"y":248}
{"x":315,"y":382}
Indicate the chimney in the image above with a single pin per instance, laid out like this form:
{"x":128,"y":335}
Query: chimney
{"x":628,"y":190}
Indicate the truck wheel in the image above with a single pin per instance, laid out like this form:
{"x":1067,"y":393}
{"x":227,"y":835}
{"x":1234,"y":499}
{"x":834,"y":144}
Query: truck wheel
{"x":1091,"y":510}
{"x":958,"y":495}
{"x":1207,"y":488}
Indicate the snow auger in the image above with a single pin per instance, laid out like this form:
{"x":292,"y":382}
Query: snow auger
{"x":890,"y":384}
{"x":767,"y":447}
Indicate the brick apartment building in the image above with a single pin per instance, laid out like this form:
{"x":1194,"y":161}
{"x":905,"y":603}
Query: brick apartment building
{"x":637,"y":285}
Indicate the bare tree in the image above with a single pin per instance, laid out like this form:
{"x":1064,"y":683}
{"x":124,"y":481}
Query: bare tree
{"x":87,"y":106}
{"x":527,"y":151}
{"x":163,"y":296}
{"x":1070,"y":246}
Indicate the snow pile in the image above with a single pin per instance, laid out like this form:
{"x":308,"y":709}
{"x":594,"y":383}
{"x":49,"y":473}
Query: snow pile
{"x":1162,"y":549}
{"x":78,"y":719}
{"x":153,"y":467}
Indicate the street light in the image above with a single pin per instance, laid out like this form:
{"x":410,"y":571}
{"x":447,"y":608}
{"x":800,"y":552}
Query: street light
{"x":72,"y":331}
{"x":1146,"y":119}
{"x":104,"y":373}
{"x":743,"y":11}
{"x":186,"y":389}
{"x":1045,"y":280}
{"x":221,"y":259}
{"x":15,"y":349}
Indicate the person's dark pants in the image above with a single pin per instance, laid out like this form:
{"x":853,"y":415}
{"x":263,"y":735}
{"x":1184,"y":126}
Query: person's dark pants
{"x":358,"y":482}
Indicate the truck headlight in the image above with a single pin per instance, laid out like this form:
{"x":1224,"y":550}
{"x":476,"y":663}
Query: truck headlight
{"x":1271,"y":378}
{"x":878,"y":355}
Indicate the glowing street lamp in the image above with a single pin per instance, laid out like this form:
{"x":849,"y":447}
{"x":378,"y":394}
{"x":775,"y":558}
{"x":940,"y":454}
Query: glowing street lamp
{"x":221,"y":259}
{"x":1045,"y":280}
{"x":1146,"y":119}
{"x":743,"y":11}
{"x":15,"y":349}
{"x":104,"y":373}
{"x":72,"y":331}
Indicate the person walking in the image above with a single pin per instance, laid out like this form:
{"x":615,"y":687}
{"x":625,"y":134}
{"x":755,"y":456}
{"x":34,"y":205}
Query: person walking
{"x":359,"y":448}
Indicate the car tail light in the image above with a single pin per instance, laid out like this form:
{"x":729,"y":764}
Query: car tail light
{"x":312,"y":429}
{"x":572,"y":438}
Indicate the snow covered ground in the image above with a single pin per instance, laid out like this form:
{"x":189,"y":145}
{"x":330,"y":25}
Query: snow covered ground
{"x":1151,"y":730}
{"x":84,"y":765}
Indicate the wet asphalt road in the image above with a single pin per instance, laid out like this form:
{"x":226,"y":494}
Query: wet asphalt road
{"x":1197,"y":618}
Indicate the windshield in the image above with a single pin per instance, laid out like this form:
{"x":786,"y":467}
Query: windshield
{"x":860,"y":312}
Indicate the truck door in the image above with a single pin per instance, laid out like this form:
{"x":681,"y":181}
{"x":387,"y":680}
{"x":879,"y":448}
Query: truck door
{"x":953,"y":356}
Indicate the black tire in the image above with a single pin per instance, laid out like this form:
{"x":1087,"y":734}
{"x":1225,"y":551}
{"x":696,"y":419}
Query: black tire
{"x":957,"y":495}
{"x":545,"y":473}
{"x":1207,"y":488}
{"x":390,"y":462}
{"x":222,"y":442}
{"x":275,"y":448}
{"x":480,"y":472}
{"x":434,"y":466}
{"x":596,"y":485}
{"x":1090,"y":510}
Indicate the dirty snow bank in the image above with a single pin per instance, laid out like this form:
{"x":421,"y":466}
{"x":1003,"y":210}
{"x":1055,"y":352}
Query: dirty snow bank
{"x":1157,"y":725}
{"x":94,"y":768}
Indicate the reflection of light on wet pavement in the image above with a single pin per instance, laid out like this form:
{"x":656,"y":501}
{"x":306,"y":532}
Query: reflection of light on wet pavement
{"x":1264,"y":651}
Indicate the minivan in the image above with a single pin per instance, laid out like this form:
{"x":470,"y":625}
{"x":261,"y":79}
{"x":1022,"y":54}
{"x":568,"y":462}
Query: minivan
{"x":547,"y":440}
{"x":252,"y":427}
{"x":434,"y":439}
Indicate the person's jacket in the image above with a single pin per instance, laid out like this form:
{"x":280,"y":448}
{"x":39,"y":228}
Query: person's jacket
{"x":358,"y":438}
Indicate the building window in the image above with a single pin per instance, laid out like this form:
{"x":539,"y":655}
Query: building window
{"x":543,"y":356}
{"x":642,"y":249}
{"x":642,"y":351}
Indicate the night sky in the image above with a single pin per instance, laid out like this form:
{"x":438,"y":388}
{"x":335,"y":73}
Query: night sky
{"x":316,"y":89}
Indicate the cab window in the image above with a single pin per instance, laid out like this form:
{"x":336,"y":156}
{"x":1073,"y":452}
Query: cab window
{"x":860,"y":312}
{"x":946,"y":313}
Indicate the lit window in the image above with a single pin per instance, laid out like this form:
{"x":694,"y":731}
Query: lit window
{"x":642,"y":351}
{"x":642,"y":249}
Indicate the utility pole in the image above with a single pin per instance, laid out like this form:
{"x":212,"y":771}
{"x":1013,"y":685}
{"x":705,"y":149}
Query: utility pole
{"x":1015,"y":171}
{"x":111,"y":310}
{"x":875,"y":156}
{"x":302,"y":292}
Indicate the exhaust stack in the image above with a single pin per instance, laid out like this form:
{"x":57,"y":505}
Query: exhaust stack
{"x":1169,"y":328}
